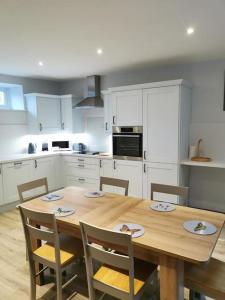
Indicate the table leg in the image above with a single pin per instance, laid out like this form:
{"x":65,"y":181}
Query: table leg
{"x":171,"y":278}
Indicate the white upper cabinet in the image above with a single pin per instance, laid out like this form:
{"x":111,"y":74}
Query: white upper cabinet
{"x":49,"y":113}
{"x":66,"y":113}
{"x":1,"y":186}
{"x":107,"y":97}
{"x":166,"y":117}
{"x":44,"y":113}
{"x":127,"y":108}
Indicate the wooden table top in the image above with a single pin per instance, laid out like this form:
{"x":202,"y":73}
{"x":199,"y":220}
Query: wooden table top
{"x":164,"y":232}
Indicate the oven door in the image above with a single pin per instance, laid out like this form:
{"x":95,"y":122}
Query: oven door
{"x":127,"y":146}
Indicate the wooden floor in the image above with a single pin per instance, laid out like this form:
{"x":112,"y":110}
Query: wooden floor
{"x":14,"y":276}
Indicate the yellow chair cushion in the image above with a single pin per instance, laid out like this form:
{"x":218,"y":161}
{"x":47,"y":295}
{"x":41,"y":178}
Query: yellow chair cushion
{"x":48,"y":252}
{"x":119,"y":279}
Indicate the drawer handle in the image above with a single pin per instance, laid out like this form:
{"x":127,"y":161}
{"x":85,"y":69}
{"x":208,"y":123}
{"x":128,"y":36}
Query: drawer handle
{"x":81,"y":166}
{"x":81,"y":179}
{"x":80,"y":159}
{"x":18,"y":163}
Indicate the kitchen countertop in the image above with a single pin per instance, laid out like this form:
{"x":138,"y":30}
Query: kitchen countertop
{"x":26,"y":156}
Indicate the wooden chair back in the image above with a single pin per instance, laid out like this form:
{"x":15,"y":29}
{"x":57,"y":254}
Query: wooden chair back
{"x":91,"y":251}
{"x":114,"y":182}
{"x":32,"y":221}
{"x":28,"y":186}
{"x":180,"y":191}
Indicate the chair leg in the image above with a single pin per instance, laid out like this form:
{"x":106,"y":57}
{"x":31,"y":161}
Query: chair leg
{"x":32,"y":282}
{"x":59,"y":284}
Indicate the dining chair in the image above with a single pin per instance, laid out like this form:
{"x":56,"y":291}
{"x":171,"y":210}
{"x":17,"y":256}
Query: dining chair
{"x":181,"y":191}
{"x":114,"y":182}
{"x":207,"y":280}
{"x":50,"y":254}
{"x":29,"y":186}
{"x":120,"y":275}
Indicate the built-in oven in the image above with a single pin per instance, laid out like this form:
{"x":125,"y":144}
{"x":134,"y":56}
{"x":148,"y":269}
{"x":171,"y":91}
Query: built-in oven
{"x":127,"y":142}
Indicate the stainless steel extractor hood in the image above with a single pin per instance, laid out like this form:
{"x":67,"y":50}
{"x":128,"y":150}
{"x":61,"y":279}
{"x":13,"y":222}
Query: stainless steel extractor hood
{"x":93,"y":98}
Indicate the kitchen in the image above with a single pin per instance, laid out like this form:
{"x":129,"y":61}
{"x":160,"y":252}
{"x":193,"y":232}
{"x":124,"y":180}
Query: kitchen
{"x":137,"y":123}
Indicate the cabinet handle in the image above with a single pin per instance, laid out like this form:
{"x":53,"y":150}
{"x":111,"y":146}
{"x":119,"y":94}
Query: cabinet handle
{"x":40,"y":127}
{"x":0,"y":171}
{"x":145,"y":154}
{"x":82,"y":166}
{"x":114,"y":165}
{"x":106,"y":126}
{"x":144,"y":168}
{"x":17,"y":163}
{"x":79,"y":159}
{"x":35,"y":164}
{"x":81,"y":179}
{"x":100,"y":163}
{"x":114,"y":118}
{"x":63,"y":126}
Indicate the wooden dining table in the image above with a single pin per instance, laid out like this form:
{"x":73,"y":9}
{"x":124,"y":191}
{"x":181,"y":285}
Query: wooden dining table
{"x":165,"y":241}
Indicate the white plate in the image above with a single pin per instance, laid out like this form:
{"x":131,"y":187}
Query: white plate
{"x":191,"y":227}
{"x":62,"y":211}
{"x":163,"y":206}
{"x":52,"y":197}
{"x":131,"y":226}
{"x":94,"y":194}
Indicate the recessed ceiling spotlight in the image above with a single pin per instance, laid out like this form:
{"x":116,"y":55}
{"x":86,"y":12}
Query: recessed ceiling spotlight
{"x":40,"y":63}
{"x":190,"y":30}
{"x":99,"y":51}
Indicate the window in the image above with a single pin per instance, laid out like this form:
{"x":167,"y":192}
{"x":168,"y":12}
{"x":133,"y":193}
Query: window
{"x":2,"y":98}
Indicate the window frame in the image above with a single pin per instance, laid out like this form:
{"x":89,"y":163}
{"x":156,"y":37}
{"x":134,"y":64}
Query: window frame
{"x":6,"y":98}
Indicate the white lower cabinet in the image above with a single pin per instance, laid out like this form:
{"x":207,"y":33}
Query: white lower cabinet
{"x":106,"y":170}
{"x":15,"y":173}
{"x":163,"y":174}
{"x":45,"y":167}
{"x":83,"y":172}
{"x":1,"y":186}
{"x":123,"y":169}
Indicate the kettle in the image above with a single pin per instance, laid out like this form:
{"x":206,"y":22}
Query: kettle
{"x":32,"y":148}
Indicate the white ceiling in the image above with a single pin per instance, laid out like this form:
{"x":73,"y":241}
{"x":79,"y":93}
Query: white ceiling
{"x":65,"y":34}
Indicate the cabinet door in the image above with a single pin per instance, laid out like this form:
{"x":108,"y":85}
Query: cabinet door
{"x":132,"y":171}
{"x":108,"y":115}
{"x":106,"y":170}
{"x":49,"y":114}
{"x":66,"y":113}
{"x":44,"y":167}
{"x":163,"y":174}
{"x":127,"y":108}
{"x":1,"y":186}
{"x":14,"y":174}
{"x":161,"y":124}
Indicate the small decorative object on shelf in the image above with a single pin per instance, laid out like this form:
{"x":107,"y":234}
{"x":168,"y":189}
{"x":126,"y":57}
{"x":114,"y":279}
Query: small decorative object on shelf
{"x":198,"y":156}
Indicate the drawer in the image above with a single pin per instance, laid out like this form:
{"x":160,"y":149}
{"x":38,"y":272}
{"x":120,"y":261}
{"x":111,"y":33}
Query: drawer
{"x":81,"y":160}
{"x":82,"y":170}
{"x":82,"y":182}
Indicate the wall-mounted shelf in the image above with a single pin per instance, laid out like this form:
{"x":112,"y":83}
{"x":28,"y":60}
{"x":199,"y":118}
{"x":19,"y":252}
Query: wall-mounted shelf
{"x":211,"y":164}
